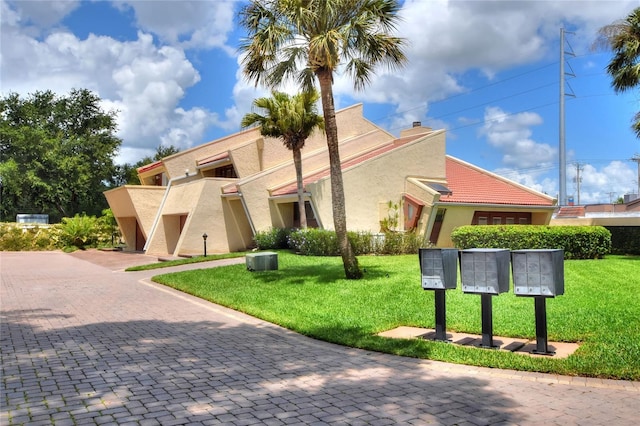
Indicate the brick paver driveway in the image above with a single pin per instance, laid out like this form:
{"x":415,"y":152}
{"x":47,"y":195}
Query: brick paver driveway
{"x":86,"y":344}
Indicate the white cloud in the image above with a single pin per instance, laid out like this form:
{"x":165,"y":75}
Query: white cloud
{"x":511,"y":134}
{"x":445,"y":39}
{"x":603,"y":185}
{"x":189,"y":24}
{"x":597,"y":185}
{"x":532,"y":178}
{"x":143,"y":82}
{"x":42,"y":14}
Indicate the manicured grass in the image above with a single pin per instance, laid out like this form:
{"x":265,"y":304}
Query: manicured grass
{"x":600,"y":309}
{"x":184,"y":261}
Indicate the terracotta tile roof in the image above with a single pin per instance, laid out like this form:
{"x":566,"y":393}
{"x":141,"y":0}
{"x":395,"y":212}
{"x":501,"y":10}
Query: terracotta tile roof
{"x":211,"y":159}
{"x":471,"y":184}
{"x":149,"y":166}
{"x":291,"y":188}
{"x":571,"y":211}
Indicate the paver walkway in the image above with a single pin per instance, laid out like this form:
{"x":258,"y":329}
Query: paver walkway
{"x":83,"y":343}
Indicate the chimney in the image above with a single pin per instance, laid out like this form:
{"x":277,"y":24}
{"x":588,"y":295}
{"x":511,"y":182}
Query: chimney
{"x":416,"y":129}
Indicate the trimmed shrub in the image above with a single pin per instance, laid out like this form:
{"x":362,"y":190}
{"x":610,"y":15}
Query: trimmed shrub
{"x":314,"y":242}
{"x":625,"y":239}
{"x":578,"y":242}
{"x":319,"y":242}
{"x":274,"y":238}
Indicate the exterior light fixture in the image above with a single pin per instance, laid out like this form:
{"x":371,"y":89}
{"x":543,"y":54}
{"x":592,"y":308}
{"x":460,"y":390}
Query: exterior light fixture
{"x":204,"y":240}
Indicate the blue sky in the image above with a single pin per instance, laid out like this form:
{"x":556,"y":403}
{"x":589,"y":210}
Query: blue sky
{"x":487,"y":71}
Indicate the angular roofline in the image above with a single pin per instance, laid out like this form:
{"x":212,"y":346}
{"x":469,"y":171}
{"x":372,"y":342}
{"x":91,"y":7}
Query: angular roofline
{"x":503,"y":179}
{"x":494,"y":205}
{"x":353,"y":161}
{"x":150,"y":166}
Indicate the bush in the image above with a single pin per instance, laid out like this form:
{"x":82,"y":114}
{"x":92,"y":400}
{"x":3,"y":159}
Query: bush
{"x":319,"y":242}
{"x":578,"y":242}
{"x":76,"y":232}
{"x":364,"y":242}
{"x":625,"y":239}
{"x":107,"y":230}
{"x":79,"y":231}
{"x":400,"y":243}
{"x":314,"y":242}
{"x":15,"y":237}
{"x":274,"y":238}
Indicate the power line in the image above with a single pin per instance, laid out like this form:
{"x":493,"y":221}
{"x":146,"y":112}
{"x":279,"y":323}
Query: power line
{"x":457,"y":95}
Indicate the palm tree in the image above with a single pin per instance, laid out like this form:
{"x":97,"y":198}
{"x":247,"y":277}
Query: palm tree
{"x":302,"y":40}
{"x":291,"y":119}
{"x":623,"y":37}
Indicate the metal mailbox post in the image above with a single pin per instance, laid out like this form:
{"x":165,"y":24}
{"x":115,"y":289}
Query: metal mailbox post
{"x":539,"y":274}
{"x":438,"y":268}
{"x":485,"y":272}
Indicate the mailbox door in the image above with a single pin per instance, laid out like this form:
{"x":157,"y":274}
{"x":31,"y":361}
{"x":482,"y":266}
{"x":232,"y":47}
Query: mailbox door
{"x":485,"y":270}
{"x":438,"y":268}
{"x":538,"y":272}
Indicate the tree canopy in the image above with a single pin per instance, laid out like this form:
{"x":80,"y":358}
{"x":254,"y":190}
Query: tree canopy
{"x":56,"y":154}
{"x":305,"y":40}
{"x":291,"y":119}
{"x":623,"y":38}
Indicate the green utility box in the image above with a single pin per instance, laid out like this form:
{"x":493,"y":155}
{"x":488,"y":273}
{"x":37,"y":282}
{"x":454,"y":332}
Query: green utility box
{"x":263,"y":261}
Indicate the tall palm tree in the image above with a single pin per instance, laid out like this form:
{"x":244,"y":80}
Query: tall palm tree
{"x":291,"y":119}
{"x":305,"y":40}
{"x":623,"y":37}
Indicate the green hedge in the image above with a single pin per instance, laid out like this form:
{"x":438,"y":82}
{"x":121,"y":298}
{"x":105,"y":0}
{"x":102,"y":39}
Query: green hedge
{"x":625,"y":239}
{"x":321,"y":242}
{"x":578,"y":242}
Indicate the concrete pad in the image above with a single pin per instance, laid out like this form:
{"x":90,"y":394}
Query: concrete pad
{"x":520,"y":346}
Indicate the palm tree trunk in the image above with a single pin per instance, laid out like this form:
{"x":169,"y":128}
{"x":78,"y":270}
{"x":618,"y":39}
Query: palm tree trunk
{"x":297,"y":161}
{"x":349,"y":260}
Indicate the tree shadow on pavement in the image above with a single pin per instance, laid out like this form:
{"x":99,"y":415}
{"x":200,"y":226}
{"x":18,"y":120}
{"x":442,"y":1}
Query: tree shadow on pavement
{"x":202,"y":372}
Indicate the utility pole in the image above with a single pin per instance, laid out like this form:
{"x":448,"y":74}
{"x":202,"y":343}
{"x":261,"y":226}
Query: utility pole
{"x":578,"y":179}
{"x":562,"y":147}
{"x":636,"y":158}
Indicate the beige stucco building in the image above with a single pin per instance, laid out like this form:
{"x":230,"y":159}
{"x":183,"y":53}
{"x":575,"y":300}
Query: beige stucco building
{"x":233,"y":187}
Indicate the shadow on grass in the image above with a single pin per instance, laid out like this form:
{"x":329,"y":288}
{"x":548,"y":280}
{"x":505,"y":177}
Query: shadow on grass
{"x":328,"y":271}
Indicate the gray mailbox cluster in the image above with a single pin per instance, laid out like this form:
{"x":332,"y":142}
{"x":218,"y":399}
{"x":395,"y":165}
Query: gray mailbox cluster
{"x":536,"y":273}
{"x":486,"y":271}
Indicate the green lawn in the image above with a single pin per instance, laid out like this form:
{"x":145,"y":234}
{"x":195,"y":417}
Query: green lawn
{"x":600,"y":309}
{"x":186,"y":261}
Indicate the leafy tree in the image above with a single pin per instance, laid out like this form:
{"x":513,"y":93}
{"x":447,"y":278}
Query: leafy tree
{"x":305,"y":40}
{"x":291,"y":119}
{"x":56,"y":153}
{"x":623,"y":37}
